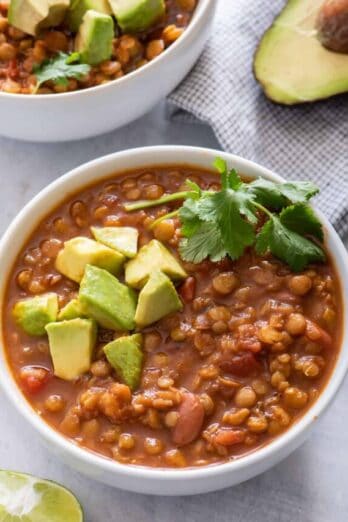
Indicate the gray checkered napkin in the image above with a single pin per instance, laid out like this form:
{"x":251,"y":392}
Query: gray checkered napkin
{"x":307,"y":142}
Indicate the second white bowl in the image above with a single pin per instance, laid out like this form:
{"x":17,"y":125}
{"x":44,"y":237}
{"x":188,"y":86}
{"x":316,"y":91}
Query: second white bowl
{"x":89,"y":112}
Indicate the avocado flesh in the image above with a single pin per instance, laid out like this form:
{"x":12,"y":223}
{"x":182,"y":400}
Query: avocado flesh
{"x":78,"y":9}
{"x":122,"y":239}
{"x":292,"y":65}
{"x":126,"y":357}
{"x":34,"y":313}
{"x":78,"y":252}
{"x":108,"y":301}
{"x":32,"y":15}
{"x":71,"y":347}
{"x":152,"y":257}
{"x":137,"y":15}
{"x":94,"y":38}
{"x":71,"y":310}
{"x":157,"y":299}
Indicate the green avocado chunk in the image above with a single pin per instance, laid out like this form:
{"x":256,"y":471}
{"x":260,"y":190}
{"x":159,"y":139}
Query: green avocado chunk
{"x":157,"y":299}
{"x":34,"y":313}
{"x":71,"y":346}
{"x":78,"y":8}
{"x":153,"y":256}
{"x":72,"y":310}
{"x":126,"y":357}
{"x":94,"y":38}
{"x":292,"y":65}
{"x":137,"y":15}
{"x":78,"y":252}
{"x":108,"y":301}
{"x":32,"y":15}
{"x":122,"y":239}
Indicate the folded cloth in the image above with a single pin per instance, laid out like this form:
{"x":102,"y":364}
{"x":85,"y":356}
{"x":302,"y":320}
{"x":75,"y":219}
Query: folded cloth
{"x":308,"y":141}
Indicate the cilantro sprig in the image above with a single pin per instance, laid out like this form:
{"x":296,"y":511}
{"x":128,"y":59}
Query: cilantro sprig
{"x":272,"y":217}
{"x":59,"y":69}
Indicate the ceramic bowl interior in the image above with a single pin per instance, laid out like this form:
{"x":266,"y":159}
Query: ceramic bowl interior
{"x":145,"y":479}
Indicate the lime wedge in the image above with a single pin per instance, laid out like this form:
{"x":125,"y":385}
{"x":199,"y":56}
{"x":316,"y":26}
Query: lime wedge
{"x":24,"y":498}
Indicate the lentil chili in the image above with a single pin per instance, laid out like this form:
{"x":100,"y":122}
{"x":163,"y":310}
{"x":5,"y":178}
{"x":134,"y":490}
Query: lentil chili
{"x":251,"y":351}
{"x":20,"y":53}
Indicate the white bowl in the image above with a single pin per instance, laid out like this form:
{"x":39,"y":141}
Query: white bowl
{"x":89,"y":112}
{"x":145,"y":479}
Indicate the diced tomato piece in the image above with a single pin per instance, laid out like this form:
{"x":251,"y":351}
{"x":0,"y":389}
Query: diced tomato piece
{"x":188,"y":289}
{"x":12,"y":70}
{"x":241,"y":364}
{"x":316,"y":334}
{"x":34,"y":378}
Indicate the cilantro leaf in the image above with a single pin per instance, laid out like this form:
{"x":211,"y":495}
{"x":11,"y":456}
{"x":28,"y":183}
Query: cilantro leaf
{"x":302,"y":219}
{"x":226,"y":209}
{"x":189,"y":218}
{"x":217,"y":204}
{"x":206,"y":242}
{"x":295,"y":250}
{"x":215,"y":224}
{"x":298,"y":191}
{"x":267,"y":193}
{"x":60,"y":68}
{"x":229,"y":178}
{"x":276,"y":195}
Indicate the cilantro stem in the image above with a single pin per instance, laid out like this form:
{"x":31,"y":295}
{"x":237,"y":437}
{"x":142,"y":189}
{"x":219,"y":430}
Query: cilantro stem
{"x":262,"y":208}
{"x":162,"y":218}
{"x":139,"y":205}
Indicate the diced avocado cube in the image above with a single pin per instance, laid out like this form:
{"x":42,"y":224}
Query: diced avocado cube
{"x":108,"y":301}
{"x":137,"y":15}
{"x":94,"y":38}
{"x":153,"y":256}
{"x":126,"y":357}
{"x":71,"y":346}
{"x":78,"y":252}
{"x":78,"y":8}
{"x":122,"y":239}
{"x":72,"y":310}
{"x":34,"y":313}
{"x":32,"y":15}
{"x":157,"y":299}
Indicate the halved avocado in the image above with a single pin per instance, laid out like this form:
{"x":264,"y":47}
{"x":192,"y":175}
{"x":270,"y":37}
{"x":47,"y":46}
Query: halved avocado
{"x":292,"y":65}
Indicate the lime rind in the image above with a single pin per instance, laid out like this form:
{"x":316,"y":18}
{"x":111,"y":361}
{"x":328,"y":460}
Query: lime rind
{"x":24,"y":498}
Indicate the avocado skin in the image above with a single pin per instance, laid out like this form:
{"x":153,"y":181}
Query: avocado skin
{"x":34,"y":313}
{"x":126,"y":357}
{"x":270,"y":81}
{"x":94,"y":38}
{"x":108,"y":301}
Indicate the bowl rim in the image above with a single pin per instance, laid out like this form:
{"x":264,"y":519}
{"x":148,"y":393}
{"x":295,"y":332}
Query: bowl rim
{"x":152,"y":156}
{"x":198,"y":14}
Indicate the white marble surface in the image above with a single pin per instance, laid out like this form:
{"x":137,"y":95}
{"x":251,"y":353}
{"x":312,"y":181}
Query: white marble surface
{"x":309,"y":486}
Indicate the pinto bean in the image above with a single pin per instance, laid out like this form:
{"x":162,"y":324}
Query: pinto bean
{"x":190,"y":420}
{"x":188,"y":289}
